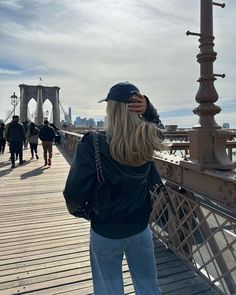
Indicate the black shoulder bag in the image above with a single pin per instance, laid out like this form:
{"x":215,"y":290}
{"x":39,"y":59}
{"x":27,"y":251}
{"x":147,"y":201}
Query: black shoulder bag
{"x":102,"y":199}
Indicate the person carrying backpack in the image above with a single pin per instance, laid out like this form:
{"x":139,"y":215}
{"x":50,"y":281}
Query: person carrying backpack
{"x":47,"y":135}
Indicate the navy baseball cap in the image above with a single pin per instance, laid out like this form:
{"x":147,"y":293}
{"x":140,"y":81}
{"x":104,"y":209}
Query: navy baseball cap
{"x":121,"y":92}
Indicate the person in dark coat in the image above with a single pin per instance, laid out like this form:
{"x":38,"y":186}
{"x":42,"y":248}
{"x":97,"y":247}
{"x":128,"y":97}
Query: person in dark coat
{"x":2,"y":138}
{"x":126,"y":152}
{"x":47,"y":135}
{"x":15,"y":135}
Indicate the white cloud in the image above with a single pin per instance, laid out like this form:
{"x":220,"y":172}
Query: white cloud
{"x":11,"y":4}
{"x":5,"y":72}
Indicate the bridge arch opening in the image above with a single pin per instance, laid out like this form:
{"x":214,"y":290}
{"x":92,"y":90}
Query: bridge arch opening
{"x":48,"y":110}
{"x":31,"y":109}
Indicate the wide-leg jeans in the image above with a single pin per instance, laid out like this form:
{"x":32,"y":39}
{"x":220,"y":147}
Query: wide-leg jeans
{"x":106,"y":257}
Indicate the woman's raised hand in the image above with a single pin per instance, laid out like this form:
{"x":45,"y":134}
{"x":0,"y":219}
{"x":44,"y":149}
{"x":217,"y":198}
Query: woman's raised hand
{"x":138,"y":104}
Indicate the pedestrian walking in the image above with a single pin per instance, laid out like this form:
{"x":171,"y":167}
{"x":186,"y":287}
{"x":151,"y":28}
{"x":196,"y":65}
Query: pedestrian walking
{"x":32,"y":137}
{"x":117,"y":166}
{"x":47,"y":135}
{"x":15,"y":135}
{"x":26,"y":128}
{"x":2,"y":138}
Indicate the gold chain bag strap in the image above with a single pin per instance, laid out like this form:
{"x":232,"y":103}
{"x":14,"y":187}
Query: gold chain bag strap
{"x":102,"y":198}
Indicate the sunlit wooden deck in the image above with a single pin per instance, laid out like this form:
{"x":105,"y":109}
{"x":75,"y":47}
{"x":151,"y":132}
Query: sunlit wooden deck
{"x":44,"y":250}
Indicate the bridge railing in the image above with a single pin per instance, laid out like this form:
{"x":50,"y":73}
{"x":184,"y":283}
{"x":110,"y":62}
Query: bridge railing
{"x":201,"y":229}
{"x":201,"y":233}
{"x":180,"y":142}
{"x":69,"y":141}
{"x":178,"y":138}
{"x":182,"y":147}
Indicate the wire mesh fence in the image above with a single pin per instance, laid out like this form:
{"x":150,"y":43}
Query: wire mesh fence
{"x":201,"y":233}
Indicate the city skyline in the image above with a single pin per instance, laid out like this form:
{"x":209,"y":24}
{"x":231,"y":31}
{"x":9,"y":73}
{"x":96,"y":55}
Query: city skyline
{"x":86,"y":47}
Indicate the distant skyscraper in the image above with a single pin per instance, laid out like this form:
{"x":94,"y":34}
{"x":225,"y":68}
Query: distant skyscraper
{"x":78,"y":121}
{"x":100,"y":124}
{"x":84,"y":122}
{"x":70,"y":117}
{"x":91,"y":122}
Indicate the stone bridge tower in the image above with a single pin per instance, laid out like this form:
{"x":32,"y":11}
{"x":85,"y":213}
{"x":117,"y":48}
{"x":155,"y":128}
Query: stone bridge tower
{"x":40,"y":94}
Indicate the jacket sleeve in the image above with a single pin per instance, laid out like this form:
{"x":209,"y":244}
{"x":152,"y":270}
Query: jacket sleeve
{"x":80,"y":180}
{"x":53,"y":133}
{"x":40,"y":133}
{"x":7,"y":132}
{"x":23,"y":133}
{"x":151,"y":114}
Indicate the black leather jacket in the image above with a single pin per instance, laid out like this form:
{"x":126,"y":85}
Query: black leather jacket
{"x":130,"y":185}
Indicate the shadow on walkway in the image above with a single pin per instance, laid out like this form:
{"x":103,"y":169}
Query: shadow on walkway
{"x":35,"y":172}
{"x":6,"y":171}
{"x":5,"y":163}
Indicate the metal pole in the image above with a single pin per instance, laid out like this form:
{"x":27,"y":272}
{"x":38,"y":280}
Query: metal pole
{"x":207,"y":140}
{"x":207,"y":94}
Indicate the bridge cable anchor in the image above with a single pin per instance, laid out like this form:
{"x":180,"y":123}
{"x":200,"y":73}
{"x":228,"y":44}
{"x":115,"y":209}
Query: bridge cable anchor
{"x":219,"y":4}
{"x":219,"y":75}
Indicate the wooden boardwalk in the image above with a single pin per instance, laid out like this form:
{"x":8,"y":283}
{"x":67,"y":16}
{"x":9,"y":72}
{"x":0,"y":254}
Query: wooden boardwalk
{"x":44,"y":250}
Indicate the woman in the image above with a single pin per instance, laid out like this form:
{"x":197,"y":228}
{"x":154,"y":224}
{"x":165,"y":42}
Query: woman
{"x":32,"y":137}
{"x":126,"y":150}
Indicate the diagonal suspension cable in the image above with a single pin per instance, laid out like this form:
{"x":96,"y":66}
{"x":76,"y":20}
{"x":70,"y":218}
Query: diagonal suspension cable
{"x":65,"y":114}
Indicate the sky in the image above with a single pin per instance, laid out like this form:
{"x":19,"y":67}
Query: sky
{"x":86,"y":46}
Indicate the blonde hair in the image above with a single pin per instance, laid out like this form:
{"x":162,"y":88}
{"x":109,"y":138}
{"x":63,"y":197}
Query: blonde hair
{"x":132,"y":140}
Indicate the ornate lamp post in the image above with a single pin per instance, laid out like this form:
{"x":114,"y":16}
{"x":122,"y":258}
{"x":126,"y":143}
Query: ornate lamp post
{"x":207,"y":140}
{"x":14,"y":101}
{"x":47,"y":114}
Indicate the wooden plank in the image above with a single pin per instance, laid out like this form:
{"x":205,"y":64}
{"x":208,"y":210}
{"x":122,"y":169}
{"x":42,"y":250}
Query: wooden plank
{"x":19,"y":242}
{"x":48,"y":253}
{"x":37,"y":226}
{"x":192,"y":286}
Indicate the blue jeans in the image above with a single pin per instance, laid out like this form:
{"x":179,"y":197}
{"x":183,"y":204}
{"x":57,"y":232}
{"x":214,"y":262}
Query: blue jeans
{"x":106,"y":257}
